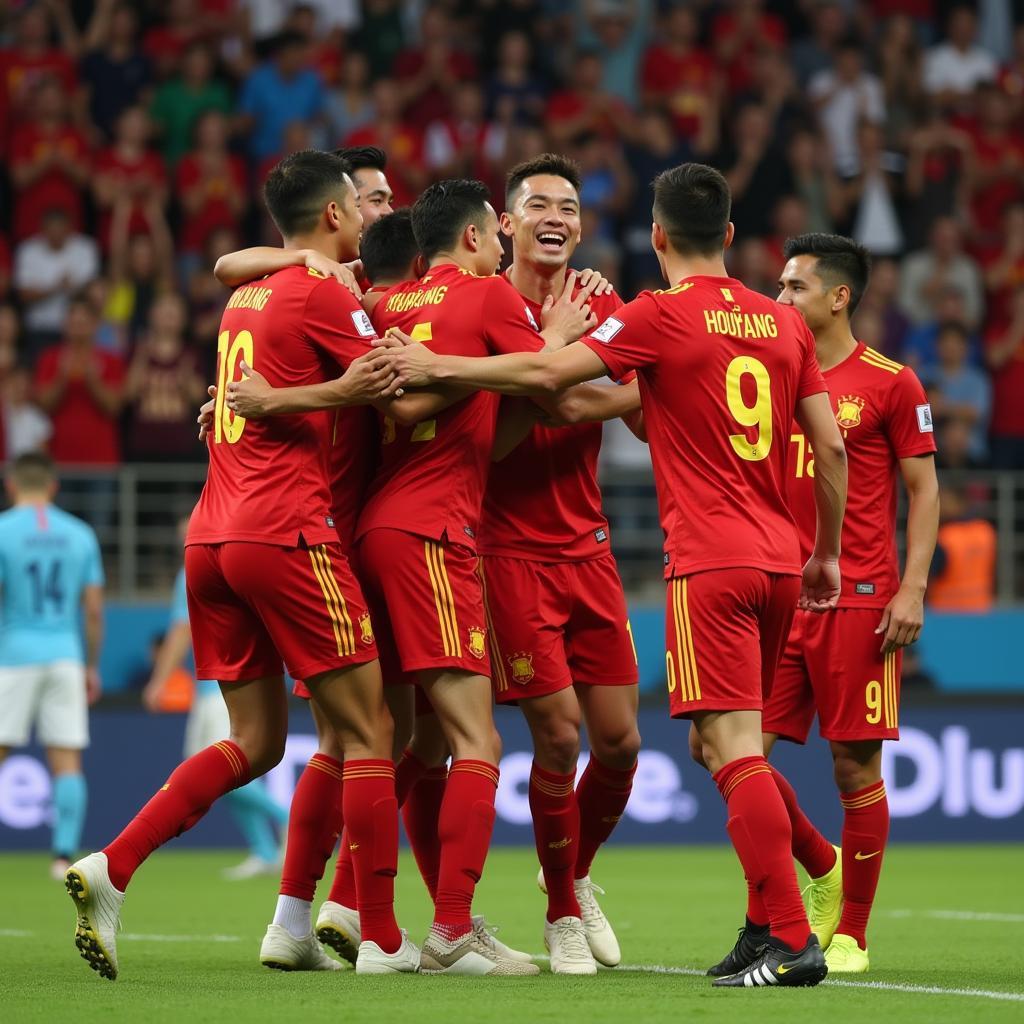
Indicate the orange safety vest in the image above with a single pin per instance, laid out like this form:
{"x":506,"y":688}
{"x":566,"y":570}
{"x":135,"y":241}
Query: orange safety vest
{"x":968,"y":581}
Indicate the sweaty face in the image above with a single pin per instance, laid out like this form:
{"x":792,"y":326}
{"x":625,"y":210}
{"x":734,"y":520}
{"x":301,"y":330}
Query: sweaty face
{"x":545,"y":221}
{"x":800,"y":287}
{"x":375,"y":195}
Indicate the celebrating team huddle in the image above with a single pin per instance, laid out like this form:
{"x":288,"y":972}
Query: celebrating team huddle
{"x":420,"y":536}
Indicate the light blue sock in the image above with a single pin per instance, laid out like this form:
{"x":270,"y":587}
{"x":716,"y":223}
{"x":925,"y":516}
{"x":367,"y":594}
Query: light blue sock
{"x":256,"y":796}
{"x":252,"y":822}
{"x":70,"y":796}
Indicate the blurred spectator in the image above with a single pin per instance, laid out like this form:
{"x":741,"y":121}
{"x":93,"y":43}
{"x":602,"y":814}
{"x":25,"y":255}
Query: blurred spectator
{"x":26,"y":427}
{"x":758,"y":175}
{"x":180,"y":101}
{"x":739,"y":33}
{"x":82,"y":389}
{"x":899,"y":68}
{"x":211,"y":185}
{"x":428,"y":74}
{"x":959,"y":391}
{"x":1004,"y":354}
{"x":882,"y":299}
{"x":349,"y":106}
{"x":595,"y":252}
{"x":871,"y":193}
{"x":920,"y":345}
{"x":207,"y":297}
{"x":280,"y":91}
{"x":1003,"y":266}
{"x":114,"y":70}
{"x":616,"y":30}
{"x":514,"y":93}
{"x":606,"y":182}
{"x":814,"y":181}
{"x":954,"y":441}
{"x":936,"y":182}
{"x":49,"y":162}
{"x":816,"y":52}
{"x":48,"y":269}
{"x":381,"y":35}
{"x":751,"y":262}
{"x":583,"y":105}
{"x":844,"y":97}
{"x":465,"y":144}
{"x":681,"y":78}
{"x":130,"y":172}
{"x":5,"y":268}
{"x":954,"y":68}
{"x":164,"y":386}
{"x":930,"y":272}
{"x":789,"y":219}
{"x":165,"y":42}
{"x":1011,"y":77}
{"x":964,"y":567}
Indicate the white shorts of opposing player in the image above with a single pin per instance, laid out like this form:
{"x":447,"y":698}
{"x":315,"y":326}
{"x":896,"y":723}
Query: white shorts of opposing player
{"x":208,"y":721}
{"x":50,"y":698}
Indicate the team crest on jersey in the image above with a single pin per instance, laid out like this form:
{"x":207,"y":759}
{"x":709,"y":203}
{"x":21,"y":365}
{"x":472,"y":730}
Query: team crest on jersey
{"x":477,"y":641}
{"x":522,"y":667}
{"x":365,"y":628}
{"x":531,"y":318}
{"x":848,"y":411}
{"x":362,"y":324}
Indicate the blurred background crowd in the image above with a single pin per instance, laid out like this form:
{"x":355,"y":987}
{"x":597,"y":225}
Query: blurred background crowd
{"x":136,"y":135}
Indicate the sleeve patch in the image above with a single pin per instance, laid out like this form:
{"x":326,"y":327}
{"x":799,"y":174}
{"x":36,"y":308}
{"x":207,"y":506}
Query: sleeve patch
{"x":531,"y":318}
{"x":362,"y":324}
{"x":607,"y":330}
{"x":924,"y":419}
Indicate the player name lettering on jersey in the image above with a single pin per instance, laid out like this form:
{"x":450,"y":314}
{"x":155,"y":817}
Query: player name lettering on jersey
{"x":250,"y":297}
{"x":740,"y":325}
{"x":403,"y":301}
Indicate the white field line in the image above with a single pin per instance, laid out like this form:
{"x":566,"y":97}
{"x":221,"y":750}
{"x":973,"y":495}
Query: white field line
{"x":958,"y":915}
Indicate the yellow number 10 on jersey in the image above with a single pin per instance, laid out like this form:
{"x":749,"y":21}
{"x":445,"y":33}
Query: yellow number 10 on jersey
{"x":757,"y":415}
{"x":226,"y":425}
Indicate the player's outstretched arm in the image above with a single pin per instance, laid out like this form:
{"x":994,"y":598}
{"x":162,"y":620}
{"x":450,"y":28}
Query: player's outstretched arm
{"x":904,"y":615}
{"x":592,"y":403}
{"x":821,"y":574}
{"x":92,"y":606}
{"x":244,"y":265}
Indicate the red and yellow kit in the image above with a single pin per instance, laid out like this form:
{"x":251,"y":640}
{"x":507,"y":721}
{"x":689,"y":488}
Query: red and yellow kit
{"x":833,"y":662}
{"x":557,"y":610}
{"x":267,"y":504}
{"x":721,"y":371}
{"x":430,"y":482}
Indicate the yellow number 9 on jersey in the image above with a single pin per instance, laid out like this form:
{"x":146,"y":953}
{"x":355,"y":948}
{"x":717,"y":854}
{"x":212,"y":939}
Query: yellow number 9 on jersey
{"x":757,"y":415}
{"x":226,"y":425}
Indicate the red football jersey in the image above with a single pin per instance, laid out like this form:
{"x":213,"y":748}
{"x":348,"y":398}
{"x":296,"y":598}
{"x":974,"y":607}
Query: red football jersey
{"x":884,"y":415}
{"x":721,"y":370}
{"x":267,"y":480}
{"x":351,"y":462}
{"x":431,"y":477}
{"x":543,"y":501}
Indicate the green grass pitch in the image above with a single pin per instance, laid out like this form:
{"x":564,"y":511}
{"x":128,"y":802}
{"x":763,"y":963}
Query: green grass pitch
{"x":946,"y":946}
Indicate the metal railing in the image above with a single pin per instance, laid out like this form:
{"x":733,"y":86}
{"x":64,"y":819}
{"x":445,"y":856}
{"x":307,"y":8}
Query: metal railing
{"x":136,"y":508}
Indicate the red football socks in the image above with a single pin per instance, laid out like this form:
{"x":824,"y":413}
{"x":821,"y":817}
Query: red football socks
{"x":371,"y":831}
{"x":314,"y":822}
{"x":865,"y":831}
{"x":186,"y":796}
{"x":556,"y":829}
{"x":761,"y":834}
{"x":464,"y":829}
{"x":811,"y":849}
{"x":421,"y":813}
{"x":601,"y":796}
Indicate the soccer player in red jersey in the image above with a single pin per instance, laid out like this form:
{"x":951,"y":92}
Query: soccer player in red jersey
{"x":722,"y":373}
{"x":846,"y":664}
{"x":560,"y":642}
{"x":269,"y":582}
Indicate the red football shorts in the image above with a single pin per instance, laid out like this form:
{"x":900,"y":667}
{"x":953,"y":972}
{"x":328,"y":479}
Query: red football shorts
{"x":432,"y":598}
{"x":725,"y":631}
{"x":254,"y":606}
{"x":554,"y":624}
{"x":833,"y":664}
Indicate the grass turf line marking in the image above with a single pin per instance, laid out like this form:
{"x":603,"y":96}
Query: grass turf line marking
{"x":959,"y":915}
{"x":14,"y":933}
{"x":882,"y":986}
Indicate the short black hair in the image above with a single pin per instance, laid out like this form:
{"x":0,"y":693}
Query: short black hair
{"x":692,"y":202}
{"x":298,"y":187}
{"x":547,"y":163}
{"x":388,"y":248}
{"x":839,"y":260}
{"x":360,"y":157}
{"x":954,"y":327}
{"x":441,"y":213}
{"x":33,"y":471}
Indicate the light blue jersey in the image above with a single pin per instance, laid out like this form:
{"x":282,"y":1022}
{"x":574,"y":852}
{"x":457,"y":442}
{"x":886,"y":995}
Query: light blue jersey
{"x":179,"y":613}
{"x":47,"y":558}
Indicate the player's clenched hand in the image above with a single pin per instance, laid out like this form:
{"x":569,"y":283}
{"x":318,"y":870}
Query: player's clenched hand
{"x":394,"y":337}
{"x":413,"y":365}
{"x":343,"y":272}
{"x":205,"y":418}
{"x":368,"y":378}
{"x":819,"y":591}
{"x":566,"y":316}
{"x":901,"y":621}
{"x":251,"y":396}
{"x":594,"y":283}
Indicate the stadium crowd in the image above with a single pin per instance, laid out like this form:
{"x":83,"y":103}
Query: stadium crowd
{"x":136,"y":136}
